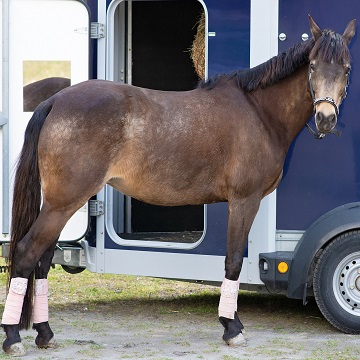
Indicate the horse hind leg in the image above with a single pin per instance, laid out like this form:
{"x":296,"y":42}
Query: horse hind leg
{"x":12,"y":344}
{"x":37,"y":245}
{"x":45,"y":338}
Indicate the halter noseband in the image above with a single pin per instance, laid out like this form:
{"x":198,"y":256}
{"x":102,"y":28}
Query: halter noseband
{"x":329,"y":100}
{"x":323,"y":99}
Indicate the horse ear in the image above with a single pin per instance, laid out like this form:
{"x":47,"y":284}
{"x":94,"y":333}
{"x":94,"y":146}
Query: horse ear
{"x":349,"y":31}
{"x":315,"y":30}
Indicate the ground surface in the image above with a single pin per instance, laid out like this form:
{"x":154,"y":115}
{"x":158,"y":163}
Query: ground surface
{"x":145,"y":333}
{"x":183,"y":325}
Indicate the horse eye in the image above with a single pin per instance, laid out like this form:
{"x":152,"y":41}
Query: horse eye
{"x":312,"y":67}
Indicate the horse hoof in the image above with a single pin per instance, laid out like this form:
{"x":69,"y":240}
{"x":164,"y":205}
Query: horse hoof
{"x":52,"y":344}
{"x":16,"y":349}
{"x":238,"y":340}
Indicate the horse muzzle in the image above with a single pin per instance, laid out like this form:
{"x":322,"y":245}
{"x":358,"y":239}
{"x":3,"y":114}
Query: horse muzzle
{"x":325,"y":123}
{"x":326,"y":113}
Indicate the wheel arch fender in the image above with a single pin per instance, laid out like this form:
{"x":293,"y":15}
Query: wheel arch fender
{"x":333,"y":223}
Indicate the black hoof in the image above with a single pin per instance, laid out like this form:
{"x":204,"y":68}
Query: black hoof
{"x":45,"y":335}
{"x":12,"y":337}
{"x":233,"y":327}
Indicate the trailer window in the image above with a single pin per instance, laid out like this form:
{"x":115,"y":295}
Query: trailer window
{"x":41,"y":79}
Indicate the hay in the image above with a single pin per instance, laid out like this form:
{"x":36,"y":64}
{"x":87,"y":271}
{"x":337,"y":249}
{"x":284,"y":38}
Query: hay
{"x":198,"y":48}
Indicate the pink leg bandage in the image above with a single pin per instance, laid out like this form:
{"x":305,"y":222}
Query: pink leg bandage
{"x":228,"y":298}
{"x":41,"y":307}
{"x":14,"y":301}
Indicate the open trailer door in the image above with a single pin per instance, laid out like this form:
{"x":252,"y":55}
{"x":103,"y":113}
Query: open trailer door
{"x":149,"y":46}
{"x":45,"y":40}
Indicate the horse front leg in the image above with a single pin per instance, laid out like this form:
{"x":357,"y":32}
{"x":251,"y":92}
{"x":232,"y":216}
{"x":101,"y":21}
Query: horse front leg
{"x":45,"y":337}
{"x":241,"y":216}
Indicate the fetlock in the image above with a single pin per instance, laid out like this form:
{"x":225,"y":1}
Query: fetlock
{"x":12,"y":336}
{"x":45,"y":334}
{"x":232,"y":327}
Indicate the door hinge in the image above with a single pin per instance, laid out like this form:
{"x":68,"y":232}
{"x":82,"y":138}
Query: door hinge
{"x":96,"y":207}
{"x":97,"y":30}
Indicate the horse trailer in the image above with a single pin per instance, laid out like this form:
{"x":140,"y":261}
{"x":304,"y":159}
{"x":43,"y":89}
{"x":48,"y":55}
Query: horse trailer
{"x":306,"y":233}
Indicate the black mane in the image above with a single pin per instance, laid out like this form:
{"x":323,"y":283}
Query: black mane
{"x":330,"y":46}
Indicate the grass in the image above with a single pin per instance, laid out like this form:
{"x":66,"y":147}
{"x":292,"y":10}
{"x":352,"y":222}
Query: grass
{"x":95,"y":289}
{"x":88,"y":290}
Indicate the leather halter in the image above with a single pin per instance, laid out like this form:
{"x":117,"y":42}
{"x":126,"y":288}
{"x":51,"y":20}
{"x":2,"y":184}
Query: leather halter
{"x":316,"y":101}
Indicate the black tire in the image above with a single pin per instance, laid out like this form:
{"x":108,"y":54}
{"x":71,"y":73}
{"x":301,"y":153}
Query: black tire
{"x":337,"y":282}
{"x":72,"y":269}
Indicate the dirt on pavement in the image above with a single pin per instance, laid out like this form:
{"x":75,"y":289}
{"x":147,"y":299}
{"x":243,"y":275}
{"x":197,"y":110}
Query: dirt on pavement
{"x":276,"y":328}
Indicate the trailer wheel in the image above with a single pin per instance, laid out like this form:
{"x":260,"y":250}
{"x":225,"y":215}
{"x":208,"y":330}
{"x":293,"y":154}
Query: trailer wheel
{"x":337,"y":282}
{"x":72,"y":269}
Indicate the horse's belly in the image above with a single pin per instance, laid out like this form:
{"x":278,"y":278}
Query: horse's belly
{"x":160,"y":193}
{"x":167,"y":178}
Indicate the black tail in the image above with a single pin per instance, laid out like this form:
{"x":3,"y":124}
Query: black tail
{"x":27,"y":199}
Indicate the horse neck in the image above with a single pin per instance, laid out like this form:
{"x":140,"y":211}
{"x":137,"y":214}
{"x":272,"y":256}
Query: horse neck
{"x":287,"y":104}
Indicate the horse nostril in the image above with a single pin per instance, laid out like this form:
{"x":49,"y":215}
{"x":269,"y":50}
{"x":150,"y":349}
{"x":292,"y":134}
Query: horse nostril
{"x":332,"y":120}
{"x":325,"y":123}
{"x":320,"y":118}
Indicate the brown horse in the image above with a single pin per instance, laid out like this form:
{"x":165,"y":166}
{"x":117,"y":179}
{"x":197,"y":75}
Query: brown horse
{"x":224,"y":141}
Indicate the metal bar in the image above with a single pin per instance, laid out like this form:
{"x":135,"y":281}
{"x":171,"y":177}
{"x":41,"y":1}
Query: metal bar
{"x":120,"y":44}
{"x":129,"y":81}
{"x":129,"y":43}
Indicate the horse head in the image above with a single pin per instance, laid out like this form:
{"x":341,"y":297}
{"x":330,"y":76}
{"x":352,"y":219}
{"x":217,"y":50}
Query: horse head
{"x":329,"y":72}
